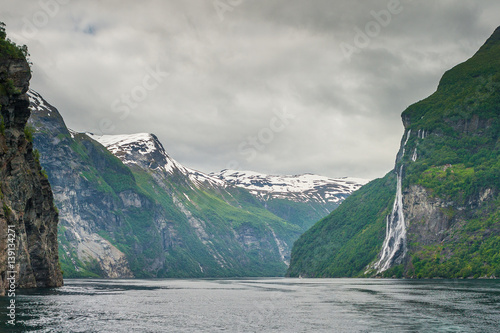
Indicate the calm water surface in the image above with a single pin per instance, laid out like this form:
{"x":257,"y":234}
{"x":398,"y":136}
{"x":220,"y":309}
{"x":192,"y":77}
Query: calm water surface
{"x":260,"y":305}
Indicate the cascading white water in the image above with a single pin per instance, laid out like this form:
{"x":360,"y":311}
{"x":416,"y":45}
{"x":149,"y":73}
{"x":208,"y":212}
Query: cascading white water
{"x":414,"y":156}
{"x":406,"y":141}
{"x":394,"y":247}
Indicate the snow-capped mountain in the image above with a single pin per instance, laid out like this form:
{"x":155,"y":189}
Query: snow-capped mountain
{"x":146,"y":151}
{"x":302,"y":199}
{"x":299,"y":188}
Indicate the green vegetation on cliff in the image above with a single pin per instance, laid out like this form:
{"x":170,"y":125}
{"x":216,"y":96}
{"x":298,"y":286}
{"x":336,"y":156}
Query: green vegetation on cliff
{"x":451,"y":188}
{"x":459,"y":163}
{"x":462,"y":122}
{"x":9,"y":48}
{"x":342,"y":244}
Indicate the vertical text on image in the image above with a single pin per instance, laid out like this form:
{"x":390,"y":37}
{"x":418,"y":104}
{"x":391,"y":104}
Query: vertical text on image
{"x":11,"y":274}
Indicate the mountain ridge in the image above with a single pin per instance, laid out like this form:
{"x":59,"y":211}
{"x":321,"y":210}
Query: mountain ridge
{"x":284,"y":196}
{"x":130,"y":147}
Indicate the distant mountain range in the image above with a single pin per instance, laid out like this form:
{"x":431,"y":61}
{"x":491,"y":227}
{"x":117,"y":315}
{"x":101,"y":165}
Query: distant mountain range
{"x":127,"y":209}
{"x":301,"y":199}
{"x":299,"y":188}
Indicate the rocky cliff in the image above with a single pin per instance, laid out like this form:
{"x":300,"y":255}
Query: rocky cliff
{"x":443,"y":217}
{"x":28,"y":218}
{"x":89,"y":204}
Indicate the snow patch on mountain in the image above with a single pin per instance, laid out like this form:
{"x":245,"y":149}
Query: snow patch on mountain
{"x":305,"y":187}
{"x":115,"y":143}
{"x":37,"y":102}
{"x":72,"y":133}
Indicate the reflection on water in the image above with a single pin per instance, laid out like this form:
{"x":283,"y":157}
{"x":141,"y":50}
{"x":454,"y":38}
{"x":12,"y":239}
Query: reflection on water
{"x":259,"y":305}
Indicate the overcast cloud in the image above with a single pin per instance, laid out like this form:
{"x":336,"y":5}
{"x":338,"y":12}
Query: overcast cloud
{"x":253,"y":85}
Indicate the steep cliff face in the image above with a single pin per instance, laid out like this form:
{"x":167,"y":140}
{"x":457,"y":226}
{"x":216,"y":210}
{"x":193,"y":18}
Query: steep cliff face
{"x":444,"y":216}
{"x":451,"y":169}
{"x":88,"y":205}
{"x":26,"y":197}
{"x":451,"y":173}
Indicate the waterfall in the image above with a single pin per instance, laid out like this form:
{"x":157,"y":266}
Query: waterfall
{"x":406,"y":141}
{"x":394,"y":247}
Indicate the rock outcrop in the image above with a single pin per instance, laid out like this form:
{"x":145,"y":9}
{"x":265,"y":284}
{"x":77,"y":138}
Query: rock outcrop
{"x":27,"y":210}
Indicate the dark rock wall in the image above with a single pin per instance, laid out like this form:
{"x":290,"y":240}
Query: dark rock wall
{"x":26,"y":196}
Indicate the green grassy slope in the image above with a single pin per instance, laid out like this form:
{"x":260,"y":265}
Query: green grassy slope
{"x":221,"y":219}
{"x":343,"y":243}
{"x":305,"y":215}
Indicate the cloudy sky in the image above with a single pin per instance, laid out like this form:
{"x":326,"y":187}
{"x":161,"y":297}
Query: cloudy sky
{"x":276,"y":86}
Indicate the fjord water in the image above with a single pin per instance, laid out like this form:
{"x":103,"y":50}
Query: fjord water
{"x":260,"y":305}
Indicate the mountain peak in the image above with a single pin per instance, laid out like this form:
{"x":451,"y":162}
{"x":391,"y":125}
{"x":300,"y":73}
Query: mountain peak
{"x":141,"y":149}
{"x":37,"y":101}
{"x":474,"y":81}
{"x":115,"y":142}
{"x":146,"y":151}
{"x":495,"y":37}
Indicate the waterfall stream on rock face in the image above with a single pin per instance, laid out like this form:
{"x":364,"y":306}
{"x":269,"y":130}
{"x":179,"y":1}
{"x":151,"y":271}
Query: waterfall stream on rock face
{"x":406,"y":141}
{"x":394,"y":247}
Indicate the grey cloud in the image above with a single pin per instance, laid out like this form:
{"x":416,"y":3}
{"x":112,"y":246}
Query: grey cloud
{"x":227,"y":76}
